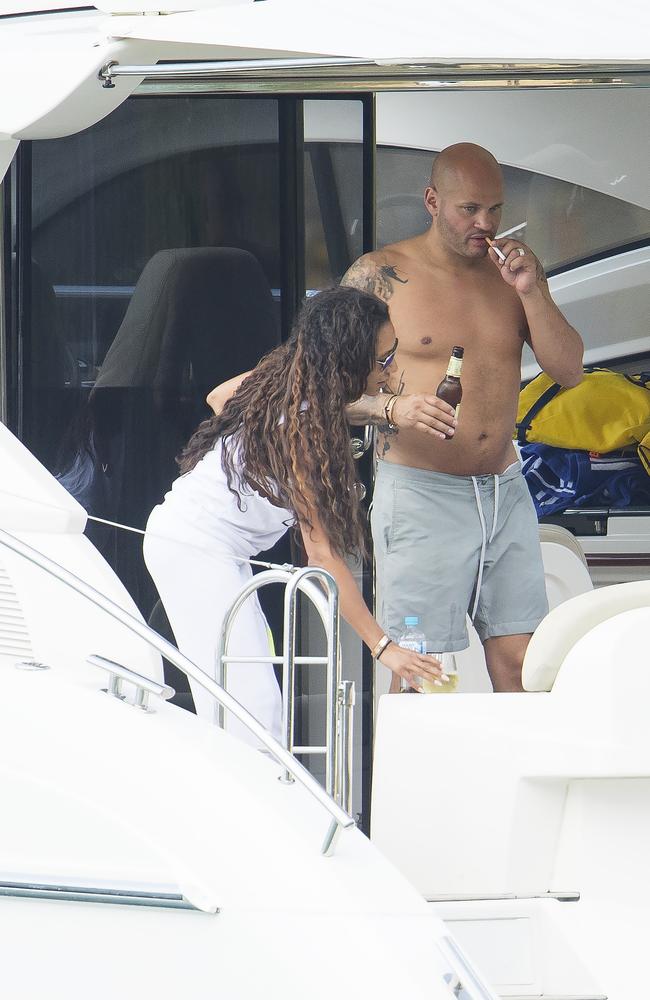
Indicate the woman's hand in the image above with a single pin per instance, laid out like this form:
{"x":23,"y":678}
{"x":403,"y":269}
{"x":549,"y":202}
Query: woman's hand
{"x":403,"y":662}
{"x":413,"y":667}
{"x":424,"y":412}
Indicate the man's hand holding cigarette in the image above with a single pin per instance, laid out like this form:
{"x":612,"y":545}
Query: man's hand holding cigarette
{"x":518,"y":265}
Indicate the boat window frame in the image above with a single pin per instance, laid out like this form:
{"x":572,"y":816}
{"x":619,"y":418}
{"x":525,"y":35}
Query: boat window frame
{"x":5,"y":287}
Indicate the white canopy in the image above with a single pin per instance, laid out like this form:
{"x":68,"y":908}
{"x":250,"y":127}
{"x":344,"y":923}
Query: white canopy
{"x":48,"y":74}
{"x":474,"y":31}
{"x":49,"y":63}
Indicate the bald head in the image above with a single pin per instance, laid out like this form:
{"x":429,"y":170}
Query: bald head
{"x":464,"y":200}
{"x":461,"y":161}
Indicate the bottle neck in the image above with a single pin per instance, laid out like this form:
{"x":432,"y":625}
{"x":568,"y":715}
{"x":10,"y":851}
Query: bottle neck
{"x":454,"y":367}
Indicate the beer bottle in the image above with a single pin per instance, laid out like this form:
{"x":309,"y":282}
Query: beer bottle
{"x":450,"y":388}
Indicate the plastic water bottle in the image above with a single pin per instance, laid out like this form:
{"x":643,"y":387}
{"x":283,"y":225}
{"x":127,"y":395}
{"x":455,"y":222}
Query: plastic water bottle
{"x":411,"y":638}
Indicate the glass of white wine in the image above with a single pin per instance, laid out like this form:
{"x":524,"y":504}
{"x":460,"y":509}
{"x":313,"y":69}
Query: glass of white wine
{"x":448,"y":664}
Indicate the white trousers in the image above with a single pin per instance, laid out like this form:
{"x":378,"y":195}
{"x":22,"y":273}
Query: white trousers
{"x":197,"y":584}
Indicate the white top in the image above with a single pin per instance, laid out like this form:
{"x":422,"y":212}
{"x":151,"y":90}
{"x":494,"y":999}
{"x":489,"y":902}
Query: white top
{"x":201,"y":502}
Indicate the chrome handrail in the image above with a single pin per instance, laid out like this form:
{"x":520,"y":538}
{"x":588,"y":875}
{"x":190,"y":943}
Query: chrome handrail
{"x":359,"y":445}
{"x":278,"y":574}
{"x":344,"y":770}
{"x":144,"y":685}
{"x":340,"y":820}
{"x":326,"y":603}
{"x":113,"y":69}
{"x":333,"y":662}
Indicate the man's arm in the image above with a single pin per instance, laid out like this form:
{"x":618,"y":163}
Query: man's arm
{"x":219,"y":396}
{"x":556,"y":345}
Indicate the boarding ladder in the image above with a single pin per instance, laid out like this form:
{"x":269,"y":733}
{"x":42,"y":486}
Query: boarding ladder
{"x":321,"y":589}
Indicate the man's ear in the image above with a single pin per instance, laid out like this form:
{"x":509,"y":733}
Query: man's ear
{"x":431,"y":201}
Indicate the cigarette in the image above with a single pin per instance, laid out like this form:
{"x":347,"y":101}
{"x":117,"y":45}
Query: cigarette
{"x":500,"y":255}
{"x":509,"y":232}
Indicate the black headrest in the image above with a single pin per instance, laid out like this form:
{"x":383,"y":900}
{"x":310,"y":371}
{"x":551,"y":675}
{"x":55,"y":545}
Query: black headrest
{"x":210,"y":307}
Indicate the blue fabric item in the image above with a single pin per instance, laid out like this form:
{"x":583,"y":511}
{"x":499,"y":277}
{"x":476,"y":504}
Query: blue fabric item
{"x":558,"y":478}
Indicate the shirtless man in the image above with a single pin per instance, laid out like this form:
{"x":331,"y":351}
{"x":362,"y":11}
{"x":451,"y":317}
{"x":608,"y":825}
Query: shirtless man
{"x":453,"y":524}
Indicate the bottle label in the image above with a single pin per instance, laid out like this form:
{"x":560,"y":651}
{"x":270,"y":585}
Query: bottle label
{"x":455,"y":366}
{"x":417,"y":645}
{"x":458,"y":412}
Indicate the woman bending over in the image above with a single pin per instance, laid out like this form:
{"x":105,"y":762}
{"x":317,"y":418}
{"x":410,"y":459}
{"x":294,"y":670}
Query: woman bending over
{"x":277,"y":454}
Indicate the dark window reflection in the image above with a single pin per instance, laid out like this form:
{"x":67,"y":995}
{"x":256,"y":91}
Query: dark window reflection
{"x":156,"y":275}
{"x":333,"y":210}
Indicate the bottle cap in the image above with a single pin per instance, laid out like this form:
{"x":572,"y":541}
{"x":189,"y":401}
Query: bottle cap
{"x":411,"y":620}
{"x":458,"y":352}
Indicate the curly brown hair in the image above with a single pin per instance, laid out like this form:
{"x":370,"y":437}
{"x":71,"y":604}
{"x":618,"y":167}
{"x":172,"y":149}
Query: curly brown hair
{"x":284,"y":431}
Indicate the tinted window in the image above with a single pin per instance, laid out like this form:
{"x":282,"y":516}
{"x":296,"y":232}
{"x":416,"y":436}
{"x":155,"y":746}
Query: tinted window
{"x":564,"y":222}
{"x":156,"y":275}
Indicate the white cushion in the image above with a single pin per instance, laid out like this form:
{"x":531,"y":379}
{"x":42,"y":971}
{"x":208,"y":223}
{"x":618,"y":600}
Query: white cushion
{"x":554,"y":533}
{"x":569,"y":622}
{"x":565,"y":566}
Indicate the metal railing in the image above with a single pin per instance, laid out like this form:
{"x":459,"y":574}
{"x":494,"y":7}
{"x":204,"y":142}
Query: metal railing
{"x":181,"y":70}
{"x":144,"y":686}
{"x":321,"y":589}
{"x":339,"y":818}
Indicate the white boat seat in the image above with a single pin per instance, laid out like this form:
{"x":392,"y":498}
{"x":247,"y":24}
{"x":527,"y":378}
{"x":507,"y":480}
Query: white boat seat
{"x":565,"y":566}
{"x":566,"y":624}
{"x":554,"y":533}
{"x":565,"y":575}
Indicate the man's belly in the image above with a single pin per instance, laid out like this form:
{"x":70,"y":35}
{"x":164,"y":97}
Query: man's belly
{"x":468,"y":453}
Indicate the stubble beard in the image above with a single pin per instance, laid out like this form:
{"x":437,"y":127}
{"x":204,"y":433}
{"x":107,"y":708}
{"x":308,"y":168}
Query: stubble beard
{"x":456,"y":244}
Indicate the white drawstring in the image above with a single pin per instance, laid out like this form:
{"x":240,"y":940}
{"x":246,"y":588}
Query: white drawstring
{"x":483,"y":544}
{"x":496,"y":508}
{"x":485,"y":541}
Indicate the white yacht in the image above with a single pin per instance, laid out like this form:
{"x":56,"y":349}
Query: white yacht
{"x":146,"y":852}
{"x":174,"y":182}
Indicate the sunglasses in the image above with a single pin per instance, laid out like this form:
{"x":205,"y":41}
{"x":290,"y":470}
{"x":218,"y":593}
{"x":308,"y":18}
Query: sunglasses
{"x":387,"y":360}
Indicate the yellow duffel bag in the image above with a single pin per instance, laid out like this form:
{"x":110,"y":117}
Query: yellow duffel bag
{"x":606,"y":412}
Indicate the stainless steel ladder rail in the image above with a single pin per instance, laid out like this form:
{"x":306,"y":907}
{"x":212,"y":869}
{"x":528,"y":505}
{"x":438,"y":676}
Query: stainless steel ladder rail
{"x":339,"y":818}
{"x":339,"y":695}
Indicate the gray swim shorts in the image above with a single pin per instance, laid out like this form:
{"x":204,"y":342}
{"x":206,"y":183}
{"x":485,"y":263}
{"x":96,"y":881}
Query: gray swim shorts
{"x":446,"y":546}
